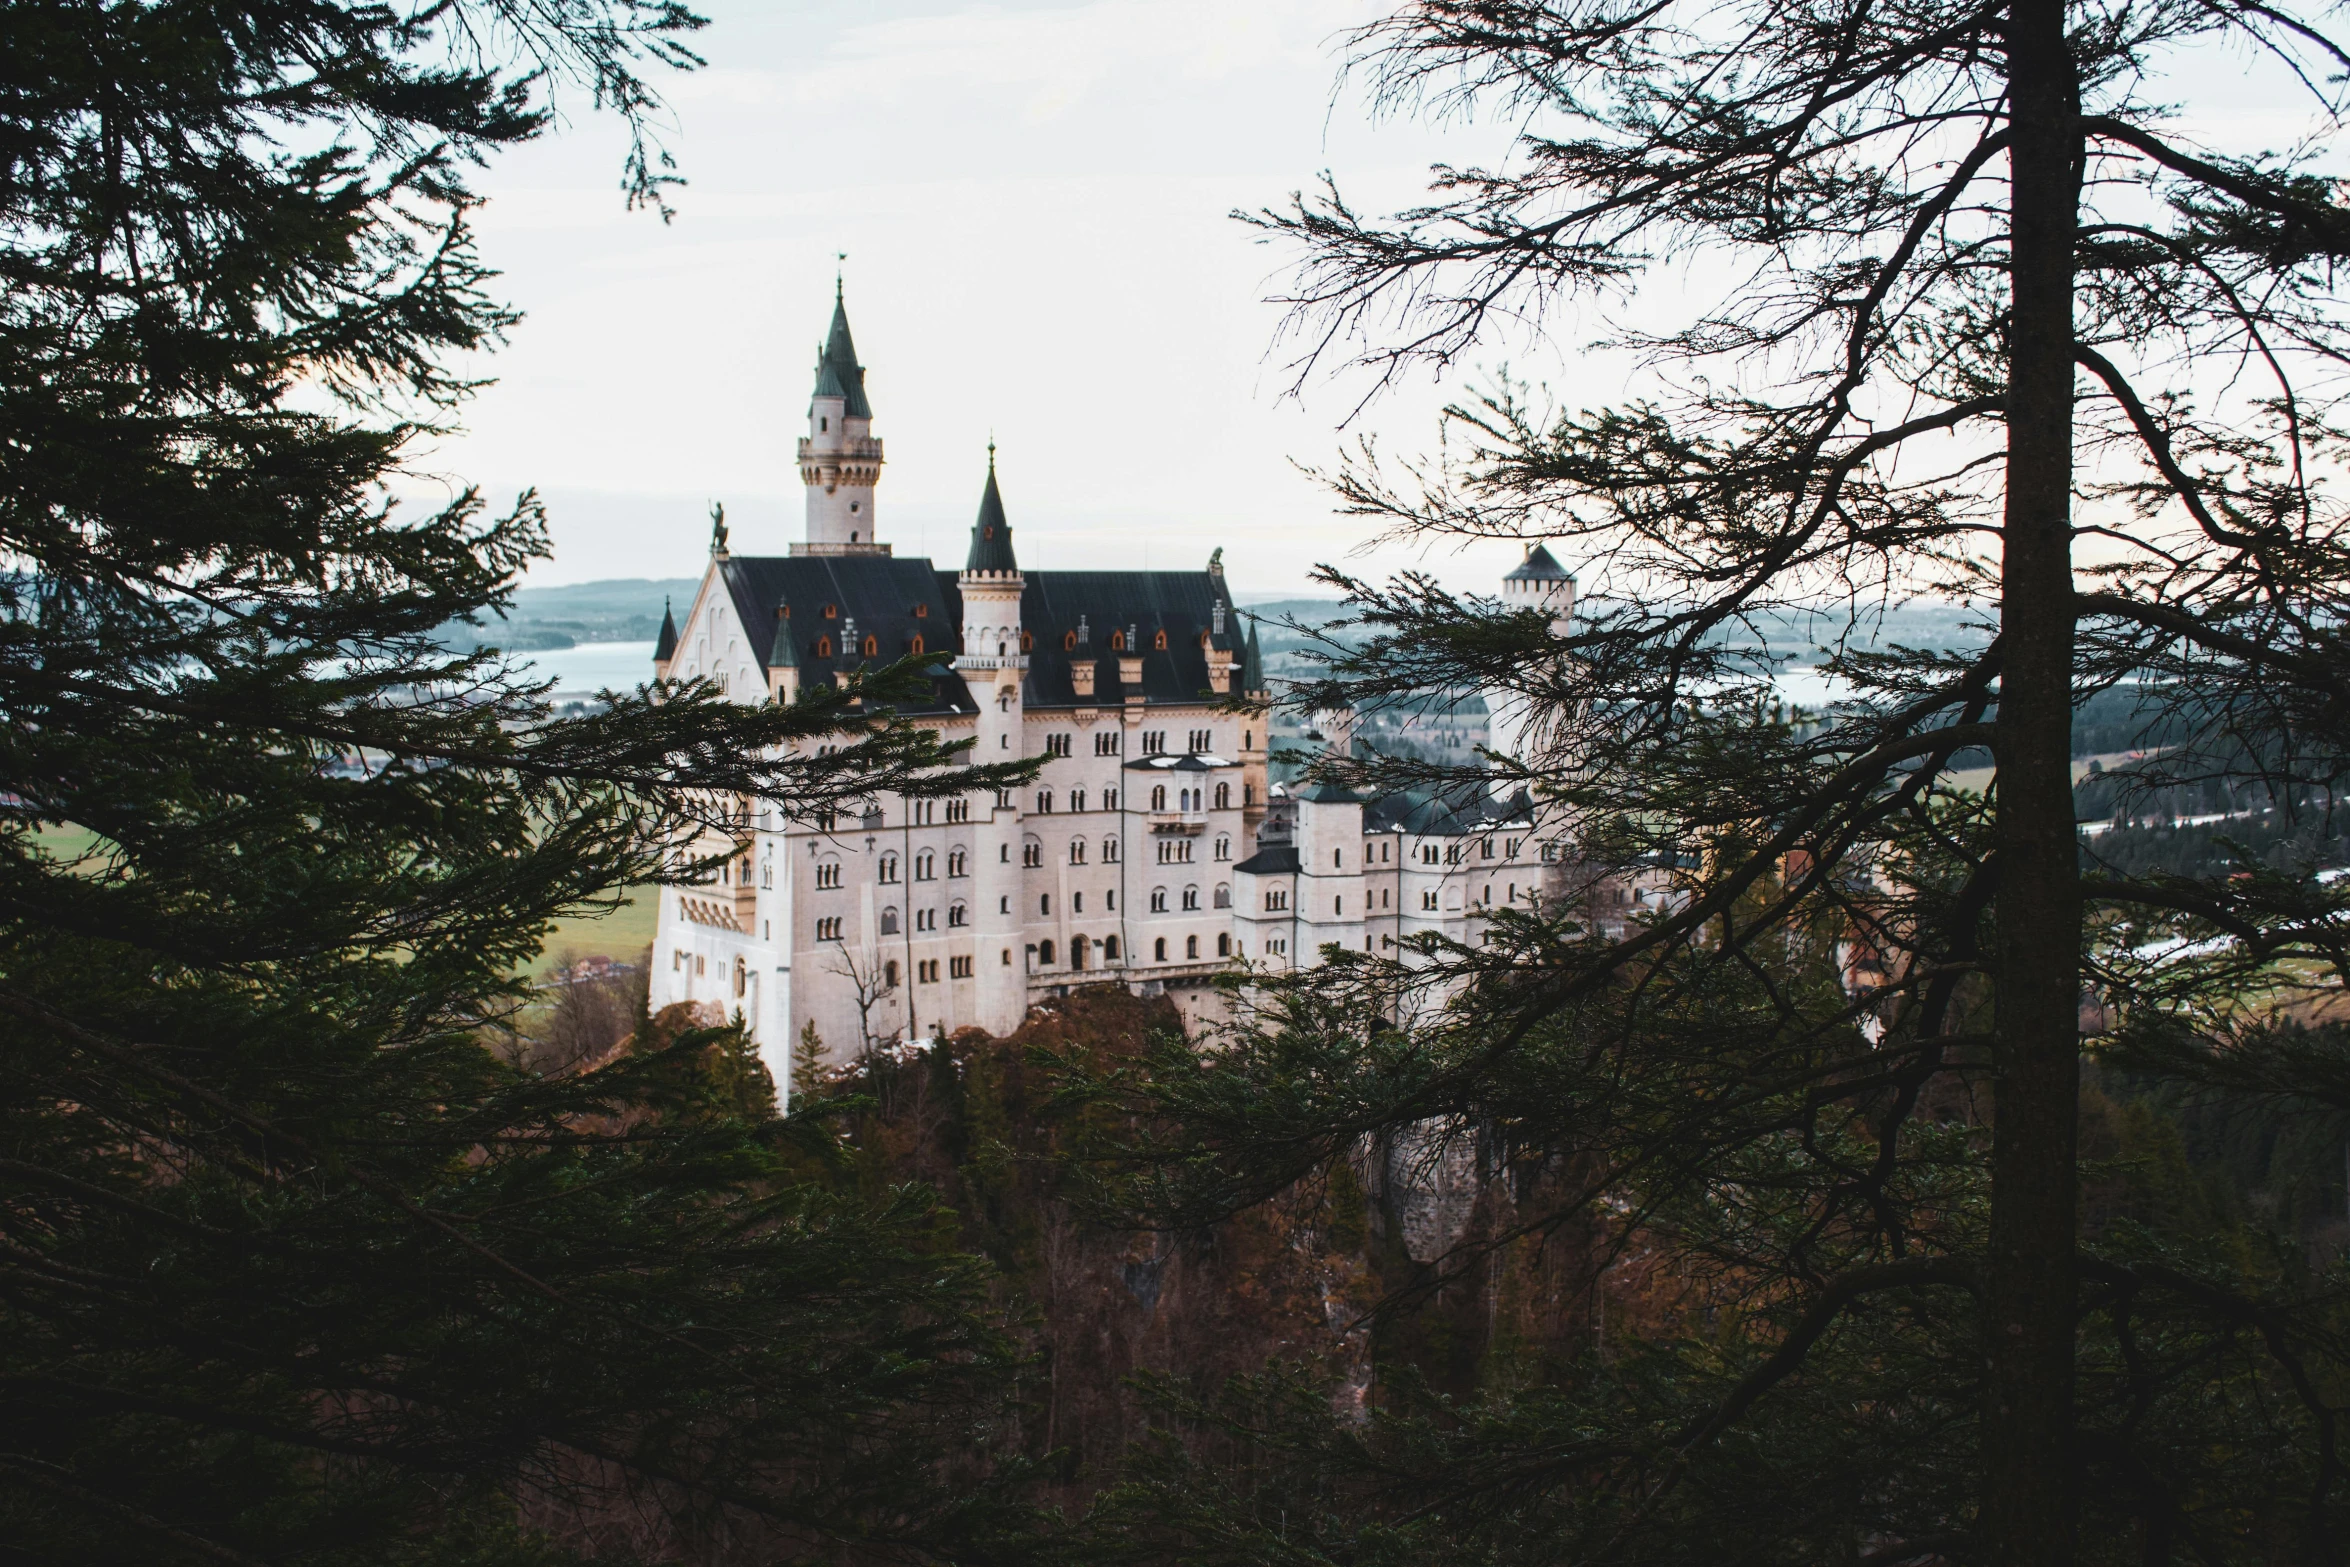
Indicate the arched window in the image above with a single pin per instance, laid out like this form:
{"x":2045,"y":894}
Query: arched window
{"x":958,"y":915}
{"x":824,"y":647}
{"x":1159,"y":950}
{"x":1117,"y":641}
{"x":1223,"y":797}
{"x":1032,"y":854}
{"x":922,"y":612}
{"x":1068,"y":641}
{"x":1223,"y":895}
{"x":1158,"y":900}
{"x":832,"y":612}
{"x":1077,"y":851}
{"x":872,"y":647}
{"x":1191,"y":897}
{"x":915,"y":646}
{"x":958,"y":862}
{"x":889,"y":868}
{"x":1076,"y":952}
{"x":1159,"y":641}
{"x":1027,"y":641}
{"x":1044,"y":954}
{"x":742,"y":980}
{"x":1109,"y":949}
{"x":1158,"y":797}
{"x":1109,"y":851}
{"x":1044,"y":802}
{"x":889,"y":921}
{"x":889,"y":975}
{"x":1224,"y":945}
{"x":926,"y":866}
{"x":1191,"y":946}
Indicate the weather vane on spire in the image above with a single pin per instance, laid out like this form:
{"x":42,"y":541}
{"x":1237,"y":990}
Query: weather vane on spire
{"x":840,"y":259}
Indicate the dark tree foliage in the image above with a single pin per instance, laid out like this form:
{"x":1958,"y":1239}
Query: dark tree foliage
{"x":1971,"y":314}
{"x":293,"y":1266}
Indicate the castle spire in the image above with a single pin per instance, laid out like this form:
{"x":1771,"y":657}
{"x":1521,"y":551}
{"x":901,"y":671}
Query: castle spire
{"x":837,"y":372}
{"x":666,"y":648}
{"x":991,"y":535}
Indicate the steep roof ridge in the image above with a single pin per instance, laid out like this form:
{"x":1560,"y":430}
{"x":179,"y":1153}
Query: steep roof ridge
{"x":991,"y":534}
{"x":837,"y":372}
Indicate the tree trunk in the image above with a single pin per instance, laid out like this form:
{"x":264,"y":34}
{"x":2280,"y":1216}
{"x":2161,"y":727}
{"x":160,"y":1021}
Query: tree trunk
{"x":2028,"y":1478}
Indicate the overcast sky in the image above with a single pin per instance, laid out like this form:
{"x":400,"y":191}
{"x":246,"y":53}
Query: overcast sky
{"x":1034,"y":200}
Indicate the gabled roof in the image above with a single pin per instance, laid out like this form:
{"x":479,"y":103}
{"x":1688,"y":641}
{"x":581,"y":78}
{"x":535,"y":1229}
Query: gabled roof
{"x":837,"y":372}
{"x":892,"y":601}
{"x":1539,"y":566}
{"x":666,"y":649}
{"x":991,"y":535}
{"x":1137,"y":605}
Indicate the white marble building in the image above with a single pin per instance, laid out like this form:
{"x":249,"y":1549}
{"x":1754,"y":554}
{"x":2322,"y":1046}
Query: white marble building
{"x":1150,"y":851}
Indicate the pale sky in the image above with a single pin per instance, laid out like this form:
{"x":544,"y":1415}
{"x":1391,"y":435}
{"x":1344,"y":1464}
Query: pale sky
{"x":1034,"y":200}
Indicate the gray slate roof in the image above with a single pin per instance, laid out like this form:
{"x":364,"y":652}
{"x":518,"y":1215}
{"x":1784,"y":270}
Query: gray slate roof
{"x":1539,"y":566}
{"x":837,"y":372}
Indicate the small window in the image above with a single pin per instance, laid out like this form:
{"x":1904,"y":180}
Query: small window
{"x":914,"y":645}
{"x":1159,"y":642}
{"x":1117,"y":641}
{"x":832,"y":612}
{"x":1223,"y":895}
{"x":824,"y":647}
{"x":1191,"y":946}
{"x":889,"y":975}
{"x":889,"y":922}
{"x":1159,"y":950}
{"x":922,"y":612}
{"x":1027,"y":641}
{"x":872,"y":647}
{"x":1224,"y":945}
{"x":1044,"y":954}
{"x":1068,"y":641}
{"x":1110,"y":949}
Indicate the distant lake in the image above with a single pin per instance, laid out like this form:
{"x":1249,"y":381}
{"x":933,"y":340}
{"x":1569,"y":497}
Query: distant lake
{"x":593,"y":666}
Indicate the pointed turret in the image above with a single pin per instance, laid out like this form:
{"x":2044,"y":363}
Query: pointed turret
{"x":1252,"y":664}
{"x":785,"y":654}
{"x":837,"y":372}
{"x":840,"y":461}
{"x":991,"y":535}
{"x":665,"y":647}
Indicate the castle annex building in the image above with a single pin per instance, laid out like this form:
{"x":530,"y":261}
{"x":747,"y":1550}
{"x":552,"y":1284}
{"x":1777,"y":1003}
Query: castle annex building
{"x":1150,"y":851}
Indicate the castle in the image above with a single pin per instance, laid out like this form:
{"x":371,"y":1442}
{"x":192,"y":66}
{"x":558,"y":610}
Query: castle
{"x":1150,"y":851}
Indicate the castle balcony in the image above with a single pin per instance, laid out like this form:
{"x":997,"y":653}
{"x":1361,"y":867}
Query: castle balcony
{"x":1179,"y":821}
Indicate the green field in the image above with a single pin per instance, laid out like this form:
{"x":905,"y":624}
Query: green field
{"x":622,"y":935}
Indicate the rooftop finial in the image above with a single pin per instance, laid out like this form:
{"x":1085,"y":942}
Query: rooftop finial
{"x":991,"y":451}
{"x":839,"y":261}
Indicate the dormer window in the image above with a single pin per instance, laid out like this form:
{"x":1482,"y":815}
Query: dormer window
{"x":915,"y":646}
{"x":922,"y":612}
{"x":872,"y":647}
{"x":824,"y":647}
{"x":1117,"y":641}
{"x":1159,"y":642}
{"x":1068,"y":641}
{"x":1027,"y":640}
{"x":832,"y":612}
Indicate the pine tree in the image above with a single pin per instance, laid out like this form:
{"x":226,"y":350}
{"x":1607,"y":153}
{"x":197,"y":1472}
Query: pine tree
{"x":1981,"y":283}
{"x":296,"y":1270}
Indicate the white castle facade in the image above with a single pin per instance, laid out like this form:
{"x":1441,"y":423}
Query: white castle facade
{"x":1150,"y":851}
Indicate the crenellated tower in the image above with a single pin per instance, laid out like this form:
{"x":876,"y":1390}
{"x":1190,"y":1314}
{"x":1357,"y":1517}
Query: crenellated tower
{"x":840,"y":461}
{"x":994,"y":664}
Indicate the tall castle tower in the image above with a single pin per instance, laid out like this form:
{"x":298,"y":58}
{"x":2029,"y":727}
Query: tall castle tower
{"x":840,"y":461}
{"x":993,"y":667}
{"x":1538,"y":583}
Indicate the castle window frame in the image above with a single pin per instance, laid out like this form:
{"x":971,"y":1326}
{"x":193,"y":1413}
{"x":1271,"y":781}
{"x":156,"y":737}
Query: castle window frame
{"x":889,"y":869}
{"x":872,"y":647}
{"x":1158,"y":900}
{"x":827,"y":875}
{"x":1223,"y":895}
{"x":1032,"y":855}
{"x":958,"y":915}
{"x":1223,"y":848}
{"x":1077,"y":799}
{"x":1109,"y":949}
{"x":889,"y":920}
{"x":1107,"y":742}
{"x":828,"y":928}
{"x":926,"y":866}
{"x":1068,"y":641}
{"x":1159,"y":640}
{"x":1191,"y":947}
{"x":1190,"y":900}
{"x":889,"y":975}
{"x":1159,"y":950}
{"x":1223,"y":797}
{"x":1077,"y":851}
{"x":1109,"y":851}
{"x":922,"y":612}
{"x":824,"y":647}
{"x":1158,"y":797}
{"x":914,"y":643}
{"x":1223,"y":943}
{"x":958,"y":863}
{"x":958,"y":810}
{"x":959,"y":968}
{"x":832,"y":612}
{"x":1117,"y":641}
{"x":1044,"y":802}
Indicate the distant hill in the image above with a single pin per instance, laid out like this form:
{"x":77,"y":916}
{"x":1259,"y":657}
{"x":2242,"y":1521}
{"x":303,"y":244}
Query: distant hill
{"x":620,"y":609}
